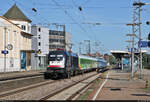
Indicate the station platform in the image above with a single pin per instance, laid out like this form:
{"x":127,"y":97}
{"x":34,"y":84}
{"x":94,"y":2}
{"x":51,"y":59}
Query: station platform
{"x":120,"y":86}
{"x":20,"y":74}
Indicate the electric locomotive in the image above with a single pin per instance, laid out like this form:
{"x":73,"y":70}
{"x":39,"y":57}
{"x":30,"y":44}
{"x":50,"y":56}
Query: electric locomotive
{"x":61,"y":63}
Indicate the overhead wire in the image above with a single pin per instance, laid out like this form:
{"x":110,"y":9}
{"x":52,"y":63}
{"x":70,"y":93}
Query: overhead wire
{"x":68,"y":16}
{"x":81,"y":27}
{"x":84,"y":19}
{"x":35,"y":15}
{"x":89,"y":25}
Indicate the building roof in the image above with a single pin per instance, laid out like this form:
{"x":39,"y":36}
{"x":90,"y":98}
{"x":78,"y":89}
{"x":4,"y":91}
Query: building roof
{"x":16,"y":14}
{"x":7,"y":21}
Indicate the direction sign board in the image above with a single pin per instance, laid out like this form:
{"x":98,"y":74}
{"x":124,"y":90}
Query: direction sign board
{"x":142,"y":43}
{"x":134,"y":50}
{"x":4,"y":52}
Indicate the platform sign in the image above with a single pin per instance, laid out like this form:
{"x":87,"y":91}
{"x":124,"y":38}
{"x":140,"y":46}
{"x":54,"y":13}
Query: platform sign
{"x":4,"y":52}
{"x":142,"y":44}
{"x":130,"y":50}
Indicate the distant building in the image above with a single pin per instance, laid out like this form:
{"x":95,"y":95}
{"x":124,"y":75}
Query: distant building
{"x":68,"y":41}
{"x":18,"y":34}
{"x":40,"y":44}
{"x":59,"y":39}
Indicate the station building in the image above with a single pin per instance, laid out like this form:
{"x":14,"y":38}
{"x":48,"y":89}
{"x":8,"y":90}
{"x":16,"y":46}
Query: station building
{"x":15,"y":37}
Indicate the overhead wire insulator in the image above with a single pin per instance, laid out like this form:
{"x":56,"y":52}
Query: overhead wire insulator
{"x":148,"y":22}
{"x":80,"y":8}
{"x":33,"y":9}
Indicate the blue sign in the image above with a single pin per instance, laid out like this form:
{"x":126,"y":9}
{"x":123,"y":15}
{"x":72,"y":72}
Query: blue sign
{"x":142,"y":43}
{"x":4,"y":52}
{"x":130,"y":50}
{"x":126,"y":61}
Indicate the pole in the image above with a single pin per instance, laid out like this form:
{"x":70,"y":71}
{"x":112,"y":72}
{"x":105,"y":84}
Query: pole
{"x":5,"y":49}
{"x":132,"y":49}
{"x":64,"y":28}
{"x":89,"y":46}
{"x":80,"y":47}
{"x":122,"y":62}
{"x":140,"y":41}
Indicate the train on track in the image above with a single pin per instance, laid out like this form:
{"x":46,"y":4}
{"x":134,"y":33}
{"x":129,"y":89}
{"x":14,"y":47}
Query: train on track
{"x":66,"y":64}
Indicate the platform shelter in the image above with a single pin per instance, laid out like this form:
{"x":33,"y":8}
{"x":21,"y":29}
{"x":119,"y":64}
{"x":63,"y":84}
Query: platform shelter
{"x":122,"y":55}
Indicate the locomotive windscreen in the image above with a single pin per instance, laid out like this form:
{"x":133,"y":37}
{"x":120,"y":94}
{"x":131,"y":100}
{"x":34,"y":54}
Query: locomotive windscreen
{"x":56,"y":56}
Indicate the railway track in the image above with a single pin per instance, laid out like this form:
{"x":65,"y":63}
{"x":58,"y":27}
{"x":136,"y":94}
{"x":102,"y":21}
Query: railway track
{"x":31,"y":87}
{"x":19,"y":90}
{"x":12,"y":84}
{"x":19,"y":77}
{"x":59,"y":92}
{"x":73,"y":90}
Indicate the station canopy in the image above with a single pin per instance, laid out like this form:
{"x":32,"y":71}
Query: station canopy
{"x":119,"y":54}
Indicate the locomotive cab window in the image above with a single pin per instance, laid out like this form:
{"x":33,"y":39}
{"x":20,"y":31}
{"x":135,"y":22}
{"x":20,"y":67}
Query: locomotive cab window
{"x":59,"y":57}
{"x":52,"y":58}
{"x":56,"y":57}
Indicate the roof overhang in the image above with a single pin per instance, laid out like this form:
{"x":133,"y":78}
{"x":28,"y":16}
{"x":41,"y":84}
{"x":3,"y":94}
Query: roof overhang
{"x":24,"y":33}
{"x":119,"y":54}
{"x":30,"y":51}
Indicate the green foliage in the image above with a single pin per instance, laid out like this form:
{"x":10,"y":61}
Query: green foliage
{"x":146,"y":60}
{"x":112,"y":60}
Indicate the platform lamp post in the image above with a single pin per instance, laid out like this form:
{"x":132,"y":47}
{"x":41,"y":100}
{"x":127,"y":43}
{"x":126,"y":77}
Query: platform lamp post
{"x":5,"y":49}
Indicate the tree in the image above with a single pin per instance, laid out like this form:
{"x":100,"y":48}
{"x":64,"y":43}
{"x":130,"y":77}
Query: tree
{"x":146,"y":60}
{"x":112,"y":60}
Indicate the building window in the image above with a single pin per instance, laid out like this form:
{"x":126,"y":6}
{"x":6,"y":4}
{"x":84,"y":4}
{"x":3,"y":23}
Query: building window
{"x":39,"y":29}
{"x":23,"y":27}
{"x":39,"y":36}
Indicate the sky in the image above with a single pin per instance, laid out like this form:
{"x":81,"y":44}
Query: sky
{"x":111,"y":17}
